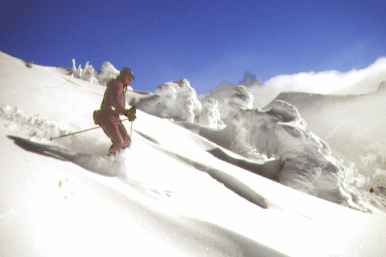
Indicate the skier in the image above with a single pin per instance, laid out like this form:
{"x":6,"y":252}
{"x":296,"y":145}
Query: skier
{"x":112,"y":106}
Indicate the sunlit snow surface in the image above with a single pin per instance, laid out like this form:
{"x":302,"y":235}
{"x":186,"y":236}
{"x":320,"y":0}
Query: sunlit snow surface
{"x":170,"y":194}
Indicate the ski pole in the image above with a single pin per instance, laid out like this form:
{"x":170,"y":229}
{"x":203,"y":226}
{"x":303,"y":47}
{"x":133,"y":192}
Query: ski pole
{"x":131,"y":131}
{"x":80,"y":131}
{"x":73,"y":133}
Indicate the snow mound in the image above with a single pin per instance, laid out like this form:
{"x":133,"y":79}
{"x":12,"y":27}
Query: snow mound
{"x":177,"y":100}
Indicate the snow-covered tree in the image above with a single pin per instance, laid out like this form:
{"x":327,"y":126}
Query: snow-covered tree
{"x":88,"y":73}
{"x":231,"y":99}
{"x":108,"y":72}
{"x":210,"y":114}
{"x":177,"y":100}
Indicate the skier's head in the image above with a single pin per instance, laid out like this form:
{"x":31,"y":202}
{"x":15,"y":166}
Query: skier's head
{"x":126,"y":76}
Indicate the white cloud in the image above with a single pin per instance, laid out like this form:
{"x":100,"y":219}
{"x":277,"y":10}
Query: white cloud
{"x":356,"y":81}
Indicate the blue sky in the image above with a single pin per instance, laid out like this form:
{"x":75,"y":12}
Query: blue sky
{"x":204,"y":41}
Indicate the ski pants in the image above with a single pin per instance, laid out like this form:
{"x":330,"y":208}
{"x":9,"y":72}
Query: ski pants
{"x":117,"y":134}
{"x":114,"y":129}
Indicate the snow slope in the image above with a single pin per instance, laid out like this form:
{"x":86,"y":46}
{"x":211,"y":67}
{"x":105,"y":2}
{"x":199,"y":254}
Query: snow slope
{"x":167,"y":195}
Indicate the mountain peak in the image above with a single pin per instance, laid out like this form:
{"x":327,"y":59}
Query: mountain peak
{"x":249,"y":79}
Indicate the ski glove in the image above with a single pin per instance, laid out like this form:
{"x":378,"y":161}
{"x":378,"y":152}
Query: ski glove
{"x":130,"y":113}
{"x":97,"y":117}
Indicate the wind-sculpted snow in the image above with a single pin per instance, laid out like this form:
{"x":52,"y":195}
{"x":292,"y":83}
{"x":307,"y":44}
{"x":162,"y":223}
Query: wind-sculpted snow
{"x":177,"y":100}
{"x":268,"y":168}
{"x":354,"y":128}
{"x":342,"y":120}
{"x":279,"y":132}
{"x":230,"y":99}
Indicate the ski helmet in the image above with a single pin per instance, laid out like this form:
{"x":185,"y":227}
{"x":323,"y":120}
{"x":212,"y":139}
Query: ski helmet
{"x":127,"y":71}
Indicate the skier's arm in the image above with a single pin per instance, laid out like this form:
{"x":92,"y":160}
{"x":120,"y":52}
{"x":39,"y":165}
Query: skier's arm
{"x":119,"y":99}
